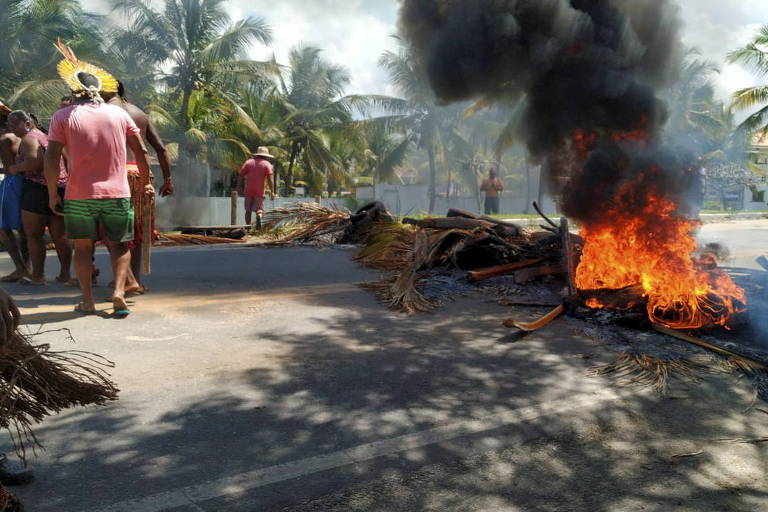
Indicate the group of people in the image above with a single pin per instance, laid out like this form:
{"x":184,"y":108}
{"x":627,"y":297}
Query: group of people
{"x":86,"y":179}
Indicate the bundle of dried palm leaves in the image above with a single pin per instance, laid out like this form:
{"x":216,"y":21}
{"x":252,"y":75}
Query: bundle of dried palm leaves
{"x":644,"y":370}
{"x":409,"y":254}
{"x":36,"y":382}
{"x":167,"y":239}
{"x":388,"y":248}
{"x":305,"y":222}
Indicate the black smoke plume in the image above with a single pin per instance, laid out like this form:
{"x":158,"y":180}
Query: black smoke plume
{"x":588,"y":71}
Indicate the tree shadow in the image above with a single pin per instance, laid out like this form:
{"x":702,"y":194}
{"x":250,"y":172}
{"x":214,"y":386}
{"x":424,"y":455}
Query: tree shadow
{"x":365,"y":376}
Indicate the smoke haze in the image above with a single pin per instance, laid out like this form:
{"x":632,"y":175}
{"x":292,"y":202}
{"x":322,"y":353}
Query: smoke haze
{"x":588,"y":70}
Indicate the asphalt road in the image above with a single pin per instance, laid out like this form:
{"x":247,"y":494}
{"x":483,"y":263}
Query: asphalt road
{"x":265,"y":379}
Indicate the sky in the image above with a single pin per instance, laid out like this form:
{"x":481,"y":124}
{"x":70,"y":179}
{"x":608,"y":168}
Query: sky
{"x":356,"y":32}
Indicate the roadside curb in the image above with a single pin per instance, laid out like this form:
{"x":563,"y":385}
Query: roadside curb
{"x":706,"y":218}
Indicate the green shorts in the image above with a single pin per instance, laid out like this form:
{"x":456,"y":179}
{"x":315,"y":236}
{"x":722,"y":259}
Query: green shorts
{"x":84,"y":217}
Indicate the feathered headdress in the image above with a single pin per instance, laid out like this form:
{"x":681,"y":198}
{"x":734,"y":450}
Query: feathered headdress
{"x":74,"y":73}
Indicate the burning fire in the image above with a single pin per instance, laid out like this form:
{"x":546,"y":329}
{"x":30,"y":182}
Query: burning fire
{"x":652,"y":248}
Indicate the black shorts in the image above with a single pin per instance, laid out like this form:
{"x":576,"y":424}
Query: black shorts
{"x":491,"y":205}
{"x":34,"y":198}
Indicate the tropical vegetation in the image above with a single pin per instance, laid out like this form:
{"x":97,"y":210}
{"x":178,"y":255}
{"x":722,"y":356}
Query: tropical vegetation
{"x":187,"y":63}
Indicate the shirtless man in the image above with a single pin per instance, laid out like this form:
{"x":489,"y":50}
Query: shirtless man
{"x":493,"y":187}
{"x":149,"y":135}
{"x":10,"y":201}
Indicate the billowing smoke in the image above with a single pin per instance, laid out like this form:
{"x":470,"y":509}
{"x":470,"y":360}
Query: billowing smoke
{"x":588,"y":71}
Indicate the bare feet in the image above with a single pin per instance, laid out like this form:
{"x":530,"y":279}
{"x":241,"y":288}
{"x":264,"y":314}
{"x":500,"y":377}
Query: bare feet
{"x":67,"y":280}
{"x":34,"y":281}
{"x":13,"y":276}
{"x":85,"y":308}
{"x":120,"y":307}
{"x":135,"y":289}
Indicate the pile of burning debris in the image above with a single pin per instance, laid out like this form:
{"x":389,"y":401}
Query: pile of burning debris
{"x":604,"y":277}
{"x":584,"y":78}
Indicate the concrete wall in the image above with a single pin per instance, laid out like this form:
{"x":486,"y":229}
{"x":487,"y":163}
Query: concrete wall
{"x":214,"y":211}
{"x":750,"y":205}
{"x":413,"y":199}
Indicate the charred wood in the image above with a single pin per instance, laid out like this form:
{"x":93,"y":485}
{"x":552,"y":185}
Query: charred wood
{"x":449,"y":223}
{"x":489,"y":272}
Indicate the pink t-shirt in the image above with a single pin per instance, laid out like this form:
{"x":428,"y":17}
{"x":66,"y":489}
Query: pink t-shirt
{"x":255,"y":171}
{"x":95,"y":139}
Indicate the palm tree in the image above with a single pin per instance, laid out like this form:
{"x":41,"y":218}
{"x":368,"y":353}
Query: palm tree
{"x":28,"y":59}
{"x":690,"y":99}
{"x":755,"y":56}
{"x":314,"y":112}
{"x":197,"y":40}
{"x":384,"y":152}
{"x":422,"y":118}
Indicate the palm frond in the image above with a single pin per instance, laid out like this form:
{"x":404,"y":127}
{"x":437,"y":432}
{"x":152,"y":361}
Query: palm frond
{"x":236,"y":39}
{"x":750,"y":97}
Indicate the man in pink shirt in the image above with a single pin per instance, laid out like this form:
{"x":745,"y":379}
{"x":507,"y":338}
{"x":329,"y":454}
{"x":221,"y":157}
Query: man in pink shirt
{"x":257,"y":171}
{"x":97,"y":197}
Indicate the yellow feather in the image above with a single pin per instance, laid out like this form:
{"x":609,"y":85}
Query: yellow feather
{"x":68,"y":72}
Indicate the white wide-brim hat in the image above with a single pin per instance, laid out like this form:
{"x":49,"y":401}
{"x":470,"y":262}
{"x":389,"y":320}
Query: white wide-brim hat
{"x":263,"y":151}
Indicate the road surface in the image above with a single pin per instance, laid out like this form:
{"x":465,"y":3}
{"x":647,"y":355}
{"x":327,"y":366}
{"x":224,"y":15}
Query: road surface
{"x":265,"y":379}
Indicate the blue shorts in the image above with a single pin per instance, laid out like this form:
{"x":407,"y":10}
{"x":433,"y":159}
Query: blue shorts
{"x":10,"y":202}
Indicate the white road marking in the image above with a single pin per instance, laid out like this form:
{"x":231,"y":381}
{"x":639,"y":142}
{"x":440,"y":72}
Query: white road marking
{"x":239,"y":484}
{"x":149,"y":338}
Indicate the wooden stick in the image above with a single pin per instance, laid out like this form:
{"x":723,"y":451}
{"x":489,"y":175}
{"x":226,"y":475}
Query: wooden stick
{"x":233,"y":209}
{"x":538,"y":210}
{"x":506,"y":302}
{"x":488,"y":272}
{"x":449,"y":223}
{"x":146,"y":235}
{"x":709,"y":346}
{"x":568,"y":256}
{"x":538,"y":324}
{"x":455,"y":212}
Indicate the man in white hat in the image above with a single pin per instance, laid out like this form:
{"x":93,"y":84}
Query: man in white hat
{"x":257,"y":172}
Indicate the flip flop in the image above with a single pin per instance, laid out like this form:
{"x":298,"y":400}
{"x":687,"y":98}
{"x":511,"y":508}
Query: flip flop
{"x":120,"y":308}
{"x":80,"y":309}
{"x":11,"y":278}
{"x":68,"y":282}
{"x":28,"y":281}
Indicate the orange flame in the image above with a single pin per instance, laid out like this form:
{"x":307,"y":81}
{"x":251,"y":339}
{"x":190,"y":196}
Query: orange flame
{"x":653,"y":248}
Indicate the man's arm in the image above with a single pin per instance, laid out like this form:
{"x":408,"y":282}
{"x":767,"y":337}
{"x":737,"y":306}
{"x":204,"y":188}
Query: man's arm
{"x":32,"y":152}
{"x":154,"y":140}
{"x":52,"y":161}
{"x":271,"y":182}
{"x":136,"y":145}
{"x":484,"y":185}
{"x":7,"y":157}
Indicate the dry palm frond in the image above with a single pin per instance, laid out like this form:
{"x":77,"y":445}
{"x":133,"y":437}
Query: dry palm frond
{"x":408,"y":252}
{"x":644,"y":370}
{"x":305,"y":222}
{"x":36,"y":382}
{"x":173,"y":240}
{"x":390,"y":247}
{"x":443,"y":245}
{"x":400,"y":293}
{"x":754,"y":371}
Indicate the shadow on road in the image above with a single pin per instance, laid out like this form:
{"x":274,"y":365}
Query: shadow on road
{"x":361,"y":375}
{"x":363,"y":379}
